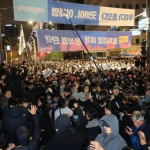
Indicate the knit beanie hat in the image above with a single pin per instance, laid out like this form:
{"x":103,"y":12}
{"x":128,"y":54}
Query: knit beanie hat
{"x":22,"y":136}
{"x":62,"y":123}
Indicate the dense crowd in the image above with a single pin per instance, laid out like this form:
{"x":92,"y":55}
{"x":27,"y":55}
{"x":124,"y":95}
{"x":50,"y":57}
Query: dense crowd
{"x":74,"y":106}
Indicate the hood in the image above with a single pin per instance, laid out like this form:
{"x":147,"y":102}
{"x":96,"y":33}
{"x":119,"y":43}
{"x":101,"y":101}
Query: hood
{"x":112,"y":121}
{"x":93,"y":123}
{"x":17,"y":112}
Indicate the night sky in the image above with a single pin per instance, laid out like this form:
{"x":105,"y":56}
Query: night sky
{"x":9,"y":13}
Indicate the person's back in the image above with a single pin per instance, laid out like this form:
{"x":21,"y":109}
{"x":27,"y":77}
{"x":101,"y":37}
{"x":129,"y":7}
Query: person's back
{"x":15,"y":117}
{"x":66,"y":138}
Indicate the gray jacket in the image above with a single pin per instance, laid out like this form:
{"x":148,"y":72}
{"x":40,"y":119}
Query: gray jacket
{"x":113,"y":141}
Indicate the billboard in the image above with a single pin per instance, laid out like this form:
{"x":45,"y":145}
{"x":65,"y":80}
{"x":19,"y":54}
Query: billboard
{"x":58,"y":12}
{"x":61,"y":40}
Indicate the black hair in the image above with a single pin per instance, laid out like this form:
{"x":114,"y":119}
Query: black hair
{"x":90,"y":88}
{"x":92,"y":114}
{"x":6,"y":90}
{"x":61,"y":103}
{"x":49,"y":94}
{"x":109,"y":107}
{"x":43,"y":100}
{"x":55,"y":95}
{"x":23,"y":100}
{"x":12,"y":101}
{"x":67,"y":89}
{"x":103,"y":92}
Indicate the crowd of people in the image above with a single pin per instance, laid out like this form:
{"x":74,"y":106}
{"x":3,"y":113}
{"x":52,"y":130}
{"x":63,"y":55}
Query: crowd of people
{"x":73,"y":106}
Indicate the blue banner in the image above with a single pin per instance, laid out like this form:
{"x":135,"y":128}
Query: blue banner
{"x":56,"y":11}
{"x":31,"y":10}
{"x":60,"y":40}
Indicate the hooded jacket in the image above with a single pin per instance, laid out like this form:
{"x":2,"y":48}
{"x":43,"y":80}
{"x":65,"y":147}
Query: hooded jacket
{"x":114,"y":140}
{"x":14,"y":118}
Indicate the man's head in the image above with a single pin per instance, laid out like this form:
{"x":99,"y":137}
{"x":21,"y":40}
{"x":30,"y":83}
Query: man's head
{"x":67,"y":91}
{"x":24,"y":102}
{"x":7,"y":93}
{"x":55,"y":97}
{"x":62,"y":123}
{"x":30,"y":85}
{"x":116,"y":90}
{"x":12,"y":102}
{"x":137,"y":118}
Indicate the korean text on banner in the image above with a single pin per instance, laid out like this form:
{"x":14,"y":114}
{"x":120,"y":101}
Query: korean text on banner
{"x":61,"y":40}
{"x":89,"y":14}
{"x":30,"y":10}
{"x":116,"y":16}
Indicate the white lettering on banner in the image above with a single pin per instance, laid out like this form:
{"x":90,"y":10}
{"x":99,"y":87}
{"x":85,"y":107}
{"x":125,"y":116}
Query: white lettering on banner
{"x":35,"y":10}
{"x":52,"y":39}
{"x":87,"y":14}
{"x":59,"y":12}
{"x":68,"y":41}
{"x":116,"y":16}
{"x":90,"y":40}
{"x":105,"y":40}
{"x":78,"y":42}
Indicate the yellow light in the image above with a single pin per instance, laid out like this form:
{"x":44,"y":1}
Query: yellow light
{"x":30,"y":22}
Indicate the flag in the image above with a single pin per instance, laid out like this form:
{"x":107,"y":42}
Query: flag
{"x":22,"y":44}
{"x":30,"y":44}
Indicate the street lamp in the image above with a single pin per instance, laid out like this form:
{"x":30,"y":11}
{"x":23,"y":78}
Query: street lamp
{"x":50,"y":22}
{"x":30,"y":22}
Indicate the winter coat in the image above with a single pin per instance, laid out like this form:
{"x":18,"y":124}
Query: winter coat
{"x":114,"y":140}
{"x":33,"y":144}
{"x":67,"y":140}
{"x":93,"y":129}
{"x":13,"y":119}
{"x":61,"y":111}
{"x":135,"y":138}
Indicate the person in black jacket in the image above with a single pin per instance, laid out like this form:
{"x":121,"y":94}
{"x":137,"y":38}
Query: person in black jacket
{"x":66,"y":138}
{"x":16,"y":78}
{"x":92,"y":126}
{"x":30,"y":93}
{"x":23,"y":135}
{"x":14,"y":116}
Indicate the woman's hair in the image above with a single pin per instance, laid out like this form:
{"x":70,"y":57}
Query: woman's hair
{"x":92,"y":114}
{"x":43,"y":100}
{"x":90,"y":88}
{"x":109,"y":107}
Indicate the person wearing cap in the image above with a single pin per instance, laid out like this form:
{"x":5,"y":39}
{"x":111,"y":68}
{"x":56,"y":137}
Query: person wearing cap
{"x":66,"y":137}
{"x":109,"y":138}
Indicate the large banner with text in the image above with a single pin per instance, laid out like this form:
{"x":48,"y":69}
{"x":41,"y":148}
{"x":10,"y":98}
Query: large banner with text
{"x":58,"y":12}
{"x":61,"y":40}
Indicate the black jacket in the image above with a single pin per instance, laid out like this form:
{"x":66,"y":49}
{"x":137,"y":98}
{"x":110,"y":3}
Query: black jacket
{"x":67,"y":140}
{"x":13,"y":118}
{"x":33,"y":144}
{"x":31,"y":96}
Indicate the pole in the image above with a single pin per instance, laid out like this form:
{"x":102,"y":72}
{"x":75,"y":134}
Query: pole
{"x":1,"y":48}
{"x":34,"y":49}
{"x":10,"y":51}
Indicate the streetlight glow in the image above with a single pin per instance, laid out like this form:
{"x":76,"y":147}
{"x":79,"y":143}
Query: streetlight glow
{"x":30,"y":22}
{"x":50,"y":22}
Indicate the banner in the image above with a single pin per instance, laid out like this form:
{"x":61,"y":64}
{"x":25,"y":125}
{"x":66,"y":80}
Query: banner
{"x":30,"y":10}
{"x":56,"y":11}
{"x":61,"y":40}
{"x":30,"y":44}
{"x":22,"y":44}
{"x":89,"y":14}
{"x":46,"y":73}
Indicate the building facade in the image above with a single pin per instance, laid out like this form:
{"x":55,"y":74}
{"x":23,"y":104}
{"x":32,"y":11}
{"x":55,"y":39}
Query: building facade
{"x":127,"y":4}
